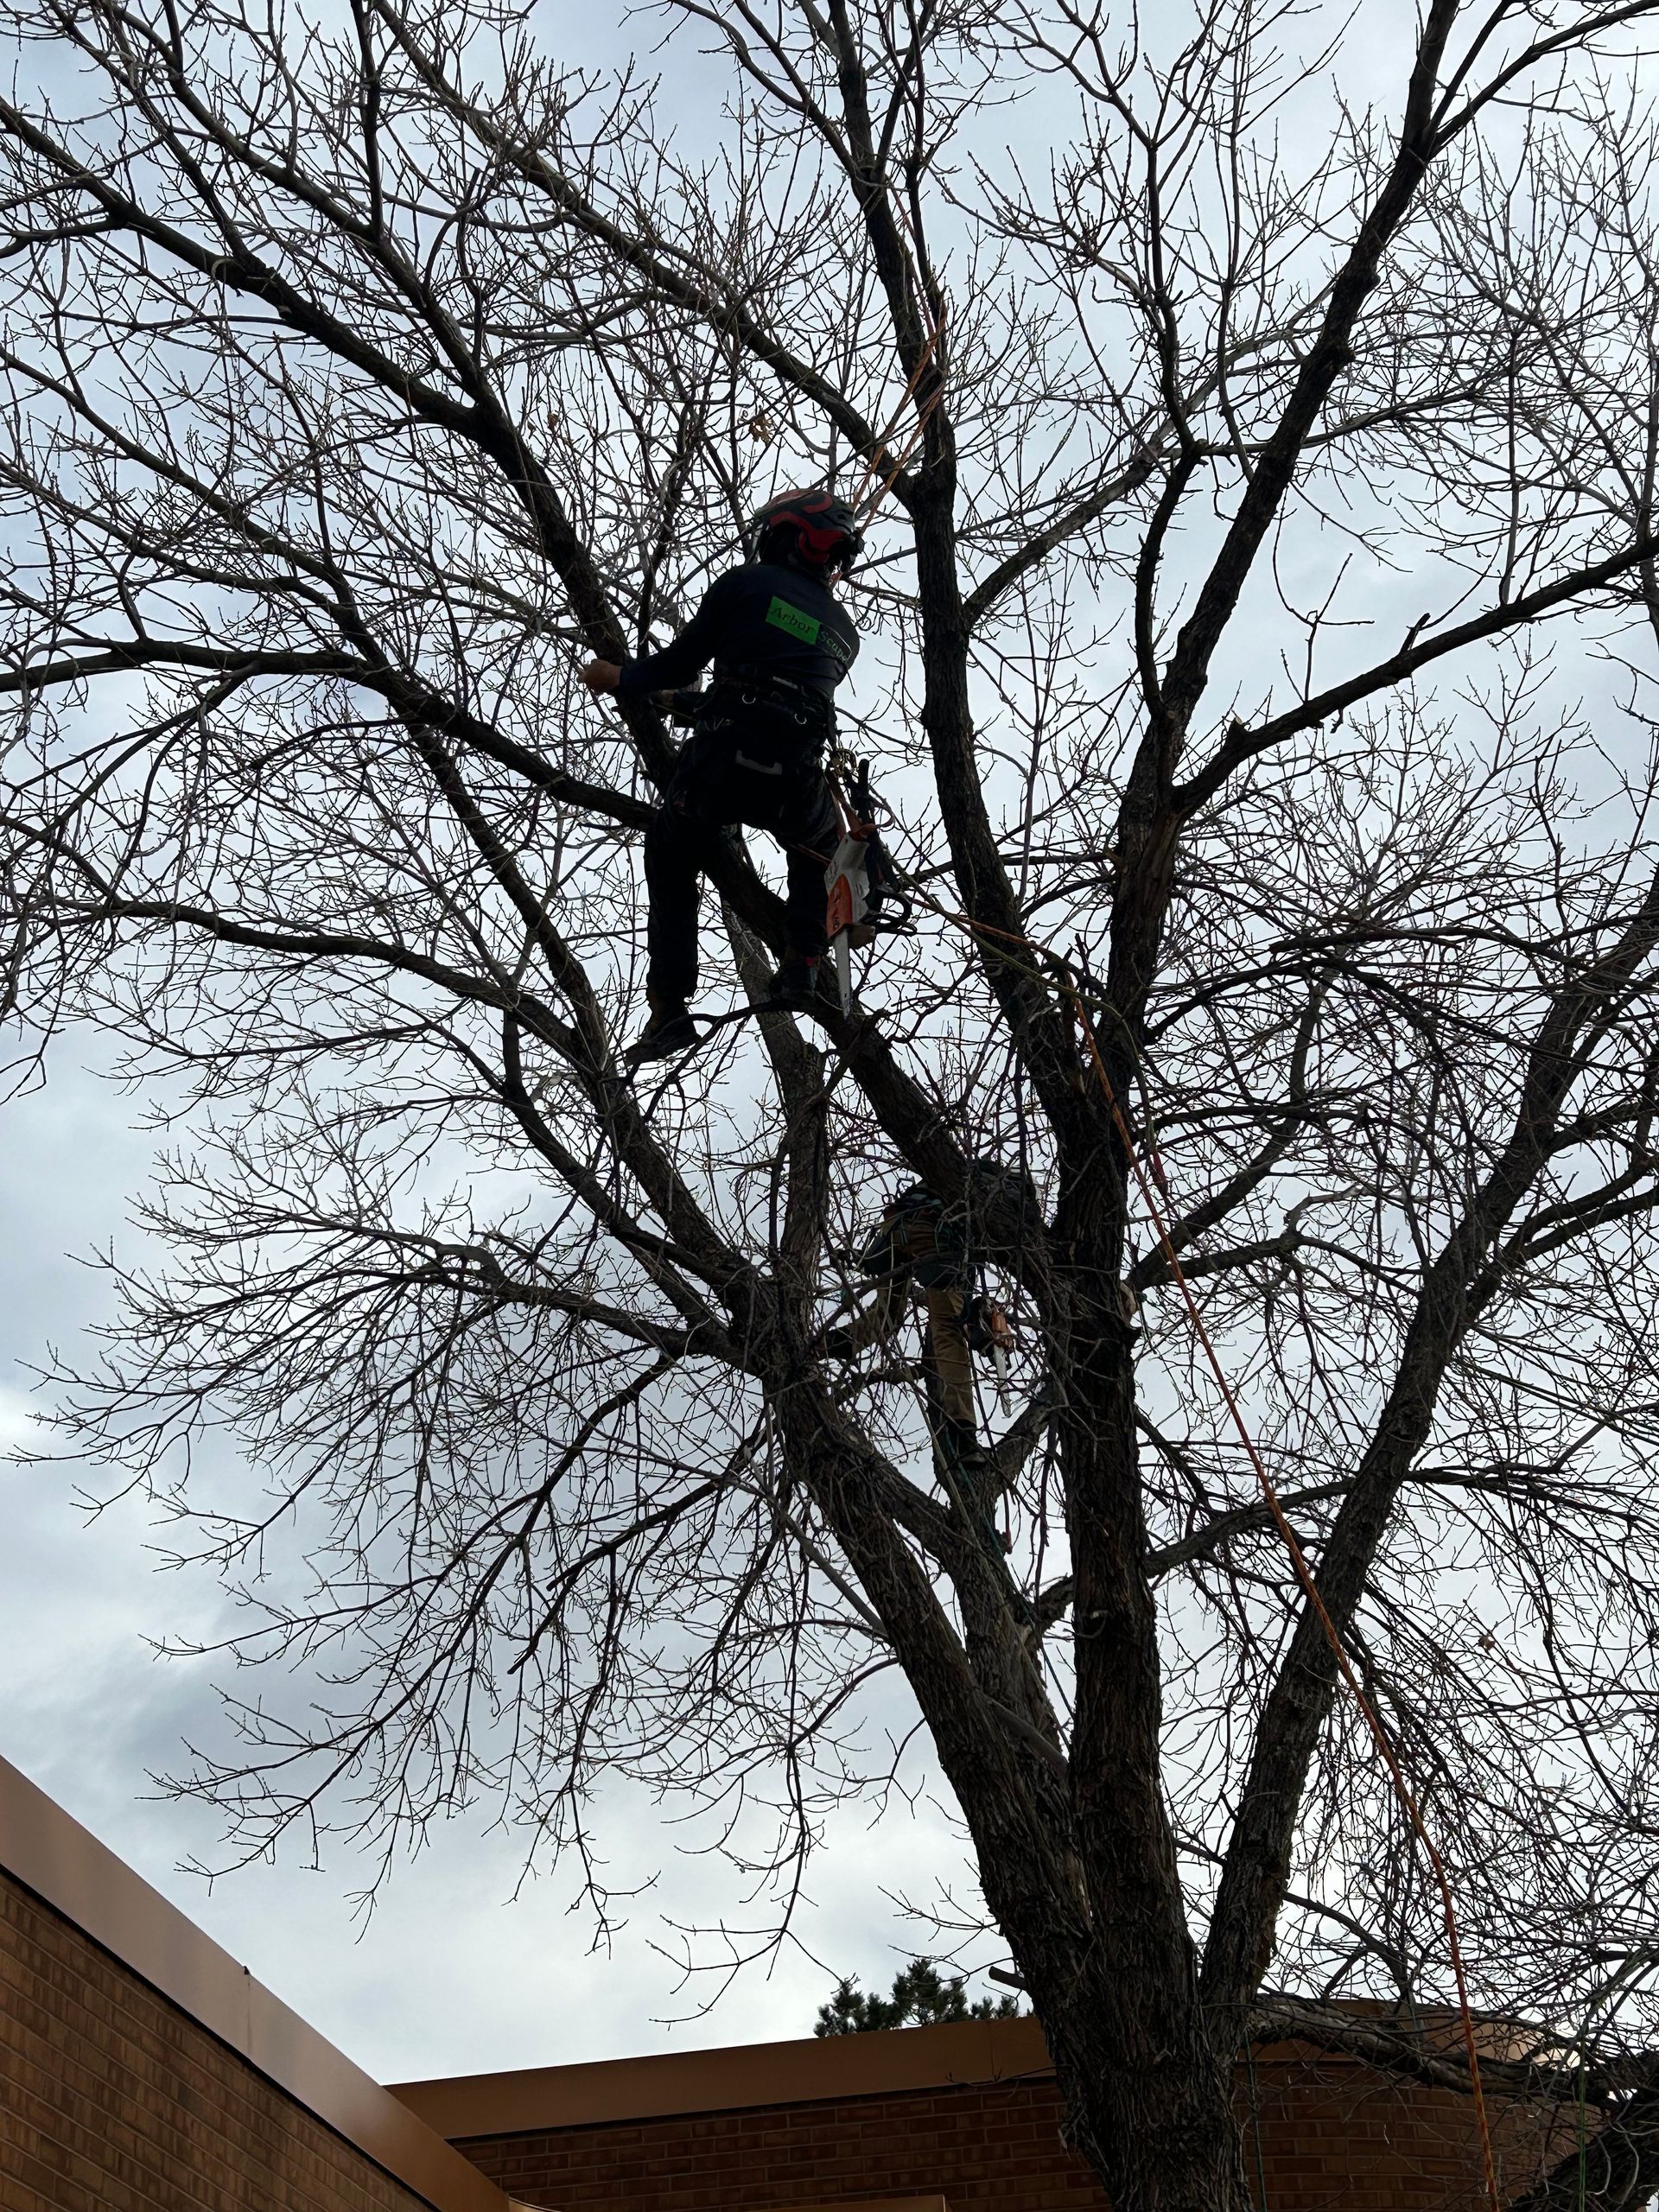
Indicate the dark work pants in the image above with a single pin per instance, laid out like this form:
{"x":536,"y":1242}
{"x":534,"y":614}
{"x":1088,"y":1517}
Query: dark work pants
{"x":767,"y":775}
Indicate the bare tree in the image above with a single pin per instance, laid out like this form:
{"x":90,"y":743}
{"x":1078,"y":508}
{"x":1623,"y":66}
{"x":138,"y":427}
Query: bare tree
{"x":1272,"y":433}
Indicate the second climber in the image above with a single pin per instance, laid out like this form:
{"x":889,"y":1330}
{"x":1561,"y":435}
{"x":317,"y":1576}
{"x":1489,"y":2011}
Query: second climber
{"x":779,"y":644}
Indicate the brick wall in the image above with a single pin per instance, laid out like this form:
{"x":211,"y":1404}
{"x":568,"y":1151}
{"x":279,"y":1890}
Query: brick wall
{"x":1342,"y":2138}
{"x":1333,"y":2138}
{"x":112,"y":2099}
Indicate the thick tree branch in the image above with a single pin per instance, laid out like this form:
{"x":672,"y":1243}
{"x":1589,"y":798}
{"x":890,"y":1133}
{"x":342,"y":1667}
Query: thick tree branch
{"x":1242,"y":745}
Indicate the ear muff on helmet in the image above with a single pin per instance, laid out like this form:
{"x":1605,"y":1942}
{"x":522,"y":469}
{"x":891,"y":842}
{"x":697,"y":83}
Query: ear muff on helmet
{"x":814,"y":527}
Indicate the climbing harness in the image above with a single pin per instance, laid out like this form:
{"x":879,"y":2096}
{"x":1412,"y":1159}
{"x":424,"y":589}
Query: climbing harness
{"x":922,"y":1240}
{"x":921,"y":1237}
{"x":922,"y":1248}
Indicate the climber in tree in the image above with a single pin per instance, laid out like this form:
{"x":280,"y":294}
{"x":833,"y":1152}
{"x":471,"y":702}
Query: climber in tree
{"x":779,"y":645}
{"x":922,"y":1251}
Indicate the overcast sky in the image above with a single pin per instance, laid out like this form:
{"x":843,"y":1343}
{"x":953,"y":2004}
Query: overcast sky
{"x":451,"y":1974}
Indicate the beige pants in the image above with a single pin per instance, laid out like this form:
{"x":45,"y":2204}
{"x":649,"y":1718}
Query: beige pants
{"x":951,"y":1361}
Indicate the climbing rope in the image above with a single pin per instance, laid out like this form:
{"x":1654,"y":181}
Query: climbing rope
{"x":929,"y":406}
{"x":1373,"y":1720}
{"x":1046,"y":965}
{"x":925,"y":416}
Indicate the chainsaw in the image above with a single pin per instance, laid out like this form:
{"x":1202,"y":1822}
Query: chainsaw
{"x":859,"y":881}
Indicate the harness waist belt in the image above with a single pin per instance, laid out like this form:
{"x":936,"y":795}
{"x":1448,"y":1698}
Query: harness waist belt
{"x":773,"y":689}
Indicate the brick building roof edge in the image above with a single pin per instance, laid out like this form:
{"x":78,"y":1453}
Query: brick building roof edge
{"x":738,"y":2077}
{"x":42,"y":1848}
{"x":808,"y":2070}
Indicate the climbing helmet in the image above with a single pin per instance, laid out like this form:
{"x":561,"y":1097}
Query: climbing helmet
{"x":822,"y":531}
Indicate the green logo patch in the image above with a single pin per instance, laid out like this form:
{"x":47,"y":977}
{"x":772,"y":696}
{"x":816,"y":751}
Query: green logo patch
{"x":796,"y":619}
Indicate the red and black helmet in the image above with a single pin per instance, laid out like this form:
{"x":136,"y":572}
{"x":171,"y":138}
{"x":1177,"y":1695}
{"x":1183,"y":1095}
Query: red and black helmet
{"x":822,"y":531}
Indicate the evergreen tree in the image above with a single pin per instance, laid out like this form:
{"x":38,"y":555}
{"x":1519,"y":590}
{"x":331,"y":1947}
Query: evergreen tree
{"x":921,"y":1996}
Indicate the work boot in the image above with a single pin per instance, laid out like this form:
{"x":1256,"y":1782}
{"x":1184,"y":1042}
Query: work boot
{"x":794,"y":985}
{"x":963,"y":1454}
{"x":669,"y":1030}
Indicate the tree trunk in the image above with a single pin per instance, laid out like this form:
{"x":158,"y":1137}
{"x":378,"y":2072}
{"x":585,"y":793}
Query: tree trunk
{"x":1616,"y":2171}
{"x":1155,"y":2121}
{"x":1149,"y":2095}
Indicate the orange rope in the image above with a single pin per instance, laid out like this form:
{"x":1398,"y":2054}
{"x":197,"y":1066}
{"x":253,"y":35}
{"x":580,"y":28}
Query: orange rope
{"x":922,"y":420}
{"x":927,"y":412}
{"x":1298,"y":1559}
{"x":1305,"y":1576}
{"x":916,"y":376}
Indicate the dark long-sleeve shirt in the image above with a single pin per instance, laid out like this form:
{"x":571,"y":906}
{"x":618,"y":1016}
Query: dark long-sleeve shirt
{"x":763,"y":617}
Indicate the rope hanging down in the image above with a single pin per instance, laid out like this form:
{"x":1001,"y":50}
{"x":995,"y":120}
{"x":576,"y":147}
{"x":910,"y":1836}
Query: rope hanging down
{"x":865,"y":500}
{"x":1311,"y":1589}
{"x":1043,"y":955}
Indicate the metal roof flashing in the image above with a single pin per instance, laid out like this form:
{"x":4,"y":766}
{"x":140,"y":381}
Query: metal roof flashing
{"x":740,"y":2077}
{"x":65,"y":1865}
